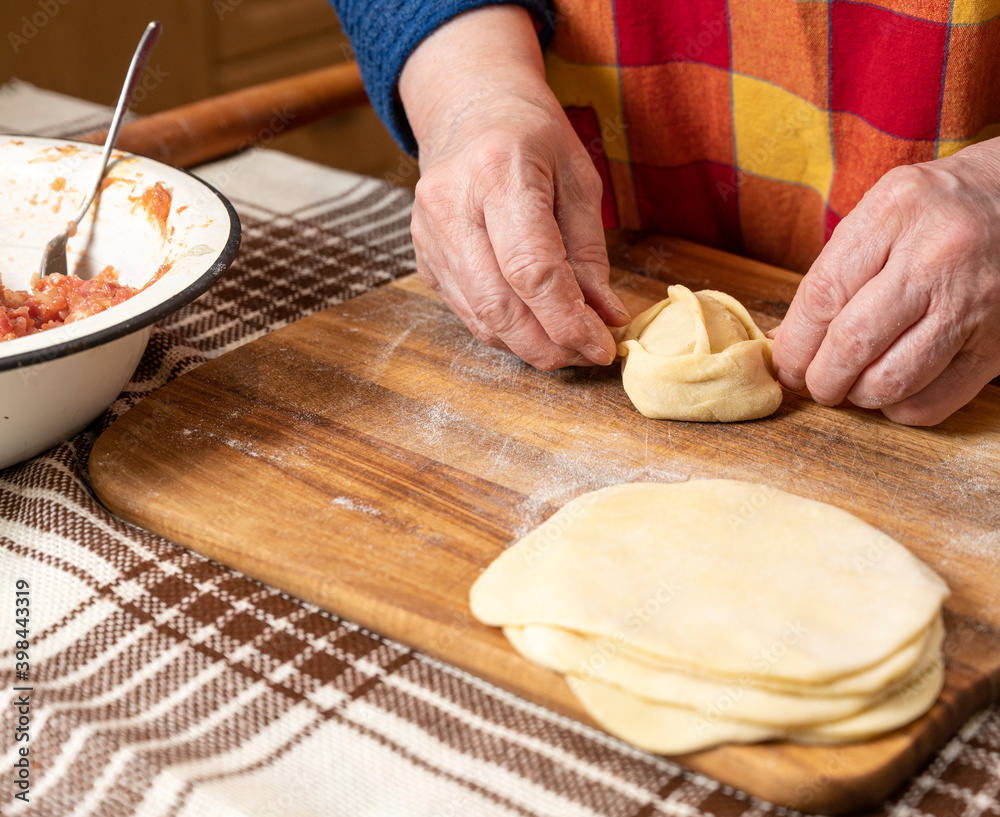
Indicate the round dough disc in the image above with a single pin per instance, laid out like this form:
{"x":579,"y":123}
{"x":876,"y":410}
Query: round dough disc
{"x":668,"y":729}
{"x":710,"y":697}
{"x":719,"y":576}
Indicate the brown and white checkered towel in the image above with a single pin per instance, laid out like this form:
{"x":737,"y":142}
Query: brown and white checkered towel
{"x":165,"y":684}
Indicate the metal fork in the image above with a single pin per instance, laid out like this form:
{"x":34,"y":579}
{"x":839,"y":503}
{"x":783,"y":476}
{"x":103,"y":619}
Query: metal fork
{"x":54,"y":256}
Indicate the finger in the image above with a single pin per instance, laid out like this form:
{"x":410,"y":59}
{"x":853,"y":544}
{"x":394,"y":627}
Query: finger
{"x":489,"y":306}
{"x":873,"y":320}
{"x":599,"y":296}
{"x":495,"y":303}
{"x":434,"y":270}
{"x":455,"y":263}
{"x":856,"y":252}
{"x":917,"y":357}
{"x":548,"y":356}
{"x":457,"y":303}
{"x":532,"y":258}
{"x":578,"y":212}
{"x":592,"y":270}
{"x":955,"y":387}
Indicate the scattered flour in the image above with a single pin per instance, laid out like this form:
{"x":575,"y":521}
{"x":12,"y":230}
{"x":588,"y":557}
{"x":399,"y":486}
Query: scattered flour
{"x":353,"y":505}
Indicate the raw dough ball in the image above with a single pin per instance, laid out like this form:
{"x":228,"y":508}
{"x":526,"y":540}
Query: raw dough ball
{"x":689,"y":614}
{"x":698,"y":356}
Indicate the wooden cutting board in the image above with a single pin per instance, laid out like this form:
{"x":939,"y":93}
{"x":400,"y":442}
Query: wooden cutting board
{"x":374,"y":458}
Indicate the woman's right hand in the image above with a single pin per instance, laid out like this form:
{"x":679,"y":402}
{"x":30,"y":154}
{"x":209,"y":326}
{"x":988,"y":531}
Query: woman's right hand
{"x":507,"y":219}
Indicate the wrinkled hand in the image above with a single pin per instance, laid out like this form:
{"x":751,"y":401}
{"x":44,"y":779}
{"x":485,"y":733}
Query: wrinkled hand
{"x":901,"y":310}
{"x":507,"y":219}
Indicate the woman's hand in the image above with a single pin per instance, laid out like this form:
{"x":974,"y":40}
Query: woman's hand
{"x":901,"y":310}
{"x":507,"y":218}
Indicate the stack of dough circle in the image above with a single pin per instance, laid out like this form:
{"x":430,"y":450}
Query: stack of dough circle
{"x":698,"y":356}
{"x":690,"y":614}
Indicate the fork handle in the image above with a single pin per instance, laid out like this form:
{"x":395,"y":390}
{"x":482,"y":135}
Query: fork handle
{"x":135,"y":69}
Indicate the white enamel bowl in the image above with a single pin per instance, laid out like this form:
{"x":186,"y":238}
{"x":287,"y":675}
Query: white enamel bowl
{"x":53,"y":383}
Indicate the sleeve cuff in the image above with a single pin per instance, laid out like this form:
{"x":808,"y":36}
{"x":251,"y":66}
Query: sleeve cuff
{"x":384,"y":33}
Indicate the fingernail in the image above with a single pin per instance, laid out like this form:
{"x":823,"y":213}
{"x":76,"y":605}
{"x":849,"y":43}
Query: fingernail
{"x":600,"y":356}
{"x":791,"y":382}
{"x":616,"y":303}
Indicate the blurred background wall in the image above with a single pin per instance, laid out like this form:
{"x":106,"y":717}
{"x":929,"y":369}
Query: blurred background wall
{"x":208,"y":47}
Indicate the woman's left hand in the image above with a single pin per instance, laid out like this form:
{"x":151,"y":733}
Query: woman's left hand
{"x":901,"y":310}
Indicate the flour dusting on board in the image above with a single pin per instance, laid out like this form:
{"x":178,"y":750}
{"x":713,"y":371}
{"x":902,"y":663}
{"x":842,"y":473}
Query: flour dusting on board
{"x":476,"y":362}
{"x":550,"y":437}
{"x":547,"y":436}
{"x":417,"y":387}
{"x":574,"y":474}
{"x":354,"y":505}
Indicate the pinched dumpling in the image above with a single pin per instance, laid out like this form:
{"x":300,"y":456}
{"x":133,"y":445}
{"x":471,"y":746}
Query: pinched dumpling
{"x":698,"y":356}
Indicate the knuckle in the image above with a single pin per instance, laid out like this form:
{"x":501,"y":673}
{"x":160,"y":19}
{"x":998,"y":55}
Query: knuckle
{"x":491,"y":170}
{"x":939,"y":262}
{"x":903,"y":183}
{"x":586,"y":178}
{"x":851,"y":344}
{"x":594,"y":186}
{"x":821,"y":297}
{"x":957,"y":238}
{"x":497,"y":314}
{"x":502,"y":169}
{"x":505,"y":167}
{"x":884,"y":387}
{"x":974,"y":363}
{"x":436,"y":203}
{"x":904,"y":192}
{"x":530,"y":276}
{"x":429,"y":193}
{"x":419,"y":234}
{"x":892,"y":195}
{"x":564,"y":321}
{"x":591,"y":259}
{"x":481,"y":332}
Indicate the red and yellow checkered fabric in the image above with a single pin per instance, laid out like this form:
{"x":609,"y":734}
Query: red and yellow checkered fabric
{"x":756,"y":125}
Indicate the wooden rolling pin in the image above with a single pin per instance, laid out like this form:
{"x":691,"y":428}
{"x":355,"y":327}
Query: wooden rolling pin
{"x":215,"y":127}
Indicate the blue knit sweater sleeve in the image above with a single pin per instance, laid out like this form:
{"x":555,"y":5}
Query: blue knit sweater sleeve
{"x":385,"y":32}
